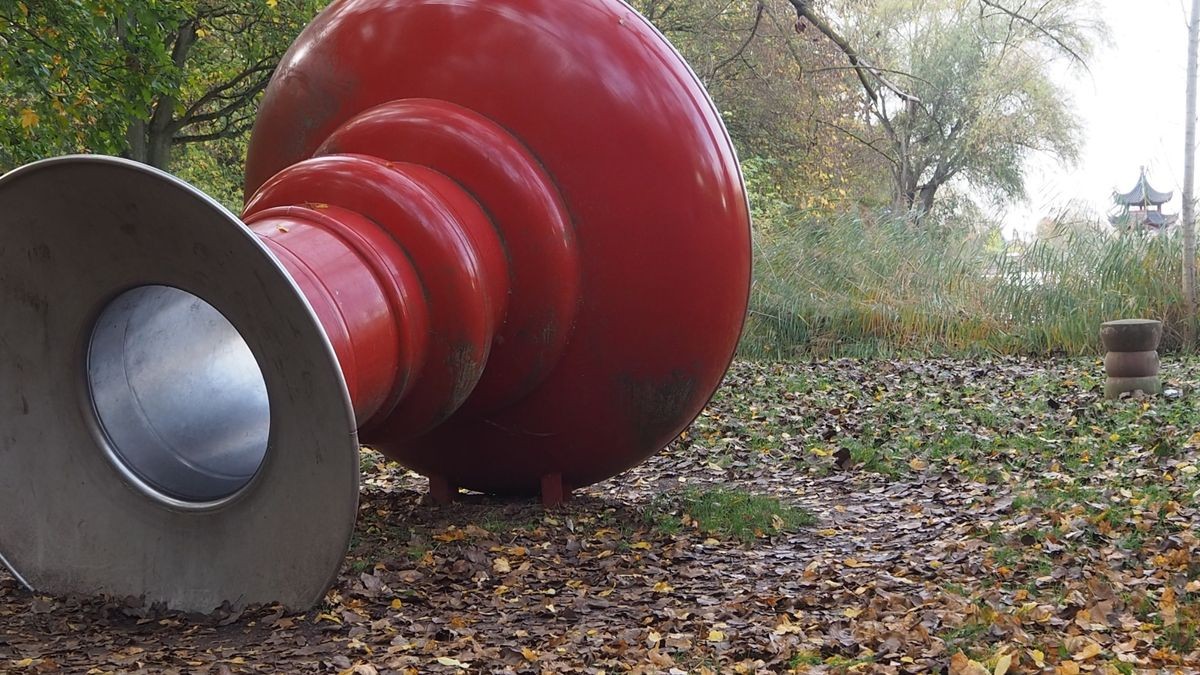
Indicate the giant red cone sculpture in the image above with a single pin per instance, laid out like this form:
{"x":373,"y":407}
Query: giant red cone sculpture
{"x":505,"y":242}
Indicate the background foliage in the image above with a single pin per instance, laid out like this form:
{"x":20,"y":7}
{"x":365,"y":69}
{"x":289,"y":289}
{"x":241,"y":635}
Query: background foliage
{"x":870,"y":132}
{"x":135,"y":78}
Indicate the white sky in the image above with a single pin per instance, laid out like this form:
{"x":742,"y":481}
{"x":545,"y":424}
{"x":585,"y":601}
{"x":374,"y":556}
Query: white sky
{"x":1132,"y":108}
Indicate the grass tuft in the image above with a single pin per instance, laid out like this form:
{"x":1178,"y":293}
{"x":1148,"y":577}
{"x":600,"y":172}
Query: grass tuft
{"x":726,"y":513}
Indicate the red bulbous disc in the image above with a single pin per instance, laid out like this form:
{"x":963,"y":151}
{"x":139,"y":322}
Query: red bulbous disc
{"x":644,"y":170}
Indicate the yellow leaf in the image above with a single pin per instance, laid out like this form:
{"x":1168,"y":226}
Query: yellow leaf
{"x":663,"y":587}
{"x":501,"y":566}
{"x":452,"y":533}
{"x":715,"y":635}
{"x":272,"y":3}
{"x":786,"y":626}
{"x":641,"y":545}
{"x":918,"y":464}
{"x":1039,"y":657}
{"x":1003,"y":663}
{"x":23,"y":663}
{"x":1089,"y":650}
{"x":29,"y":119}
{"x":961,"y":665}
{"x":397,"y":604}
{"x":852,"y":612}
{"x":1166,"y":607}
{"x":1067,"y":668}
{"x":325,"y":616}
{"x":447,"y":661}
{"x":529,"y":654}
{"x":822,"y":452}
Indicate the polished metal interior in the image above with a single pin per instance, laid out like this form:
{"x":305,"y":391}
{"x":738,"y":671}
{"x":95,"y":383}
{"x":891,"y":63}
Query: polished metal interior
{"x":179,"y":395}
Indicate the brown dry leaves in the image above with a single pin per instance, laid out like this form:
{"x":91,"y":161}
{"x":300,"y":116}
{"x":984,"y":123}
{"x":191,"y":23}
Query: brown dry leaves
{"x":972,"y":518}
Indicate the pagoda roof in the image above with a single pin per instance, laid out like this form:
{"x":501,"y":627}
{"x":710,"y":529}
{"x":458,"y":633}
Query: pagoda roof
{"x":1143,"y":193}
{"x":1149,"y":219}
{"x":1159,"y":220}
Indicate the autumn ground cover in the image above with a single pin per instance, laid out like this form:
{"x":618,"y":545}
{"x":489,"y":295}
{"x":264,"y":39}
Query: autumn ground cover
{"x":865,"y":516}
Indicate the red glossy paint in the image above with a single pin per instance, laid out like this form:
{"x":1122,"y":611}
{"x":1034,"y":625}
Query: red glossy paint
{"x":571,"y":208}
{"x":524,"y":205}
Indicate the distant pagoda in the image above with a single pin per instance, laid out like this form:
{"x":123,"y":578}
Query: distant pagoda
{"x":1141,"y":208}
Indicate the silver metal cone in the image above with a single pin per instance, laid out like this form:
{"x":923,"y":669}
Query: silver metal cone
{"x":173,"y":421}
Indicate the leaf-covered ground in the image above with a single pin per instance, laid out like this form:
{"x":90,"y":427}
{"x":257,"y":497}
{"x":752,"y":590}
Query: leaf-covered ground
{"x":970,"y":516}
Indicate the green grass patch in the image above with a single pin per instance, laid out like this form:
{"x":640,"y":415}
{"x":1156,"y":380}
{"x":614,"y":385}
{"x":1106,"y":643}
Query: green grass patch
{"x":726,"y":514}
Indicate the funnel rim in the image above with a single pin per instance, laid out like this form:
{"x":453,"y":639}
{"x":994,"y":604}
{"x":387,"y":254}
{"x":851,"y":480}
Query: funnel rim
{"x":76,"y":232}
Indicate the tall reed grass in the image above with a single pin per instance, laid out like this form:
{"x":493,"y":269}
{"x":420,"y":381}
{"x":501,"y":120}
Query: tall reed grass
{"x":878,"y":287}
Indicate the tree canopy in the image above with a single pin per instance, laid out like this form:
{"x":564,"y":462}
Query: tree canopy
{"x":962,"y":88}
{"x":834,"y":105}
{"x":135,"y":78}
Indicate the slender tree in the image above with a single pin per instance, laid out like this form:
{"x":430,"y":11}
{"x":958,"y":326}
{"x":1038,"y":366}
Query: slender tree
{"x":1189,"y":179}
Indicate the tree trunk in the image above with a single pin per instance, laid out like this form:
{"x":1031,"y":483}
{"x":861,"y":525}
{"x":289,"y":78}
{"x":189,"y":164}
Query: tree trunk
{"x":1189,"y":177}
{"x":149,"y":141}
{"x":927,"y":194}
{"x":158,"y":150}
{"x":135,"y":141}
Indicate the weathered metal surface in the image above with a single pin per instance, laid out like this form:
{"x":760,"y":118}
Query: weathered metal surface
{"x":114,"y":281}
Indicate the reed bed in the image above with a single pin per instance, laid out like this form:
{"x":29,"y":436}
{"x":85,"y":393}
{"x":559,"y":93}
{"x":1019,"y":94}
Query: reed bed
{"x":860,"y":287}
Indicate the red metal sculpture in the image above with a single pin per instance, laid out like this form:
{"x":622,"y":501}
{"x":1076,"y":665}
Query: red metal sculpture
{"x":505,"y":242}
{"x":567,"y":195}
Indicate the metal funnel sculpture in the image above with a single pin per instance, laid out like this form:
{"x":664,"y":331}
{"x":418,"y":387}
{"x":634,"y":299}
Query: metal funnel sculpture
{"x":505,"y":242}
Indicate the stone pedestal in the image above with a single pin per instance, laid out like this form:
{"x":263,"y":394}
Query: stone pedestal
{"x":1132,"y":359}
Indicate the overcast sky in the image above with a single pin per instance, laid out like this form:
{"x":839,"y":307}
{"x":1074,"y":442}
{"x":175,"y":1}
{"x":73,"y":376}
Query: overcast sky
{"x":1132,"y":109}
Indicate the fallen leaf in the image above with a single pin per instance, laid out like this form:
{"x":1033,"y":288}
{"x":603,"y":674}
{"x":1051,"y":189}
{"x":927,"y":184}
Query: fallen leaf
{"x":1003,"y":663}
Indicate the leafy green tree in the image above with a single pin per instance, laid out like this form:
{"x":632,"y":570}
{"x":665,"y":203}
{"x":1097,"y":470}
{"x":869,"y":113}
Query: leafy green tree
{"x":135,"y":78}
{"x":782,"y":103}
{"x":960,"y":89}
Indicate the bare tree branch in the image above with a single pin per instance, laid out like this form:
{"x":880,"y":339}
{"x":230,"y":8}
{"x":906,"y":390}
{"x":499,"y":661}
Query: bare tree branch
{"x":805,"y":11}
{"x":262,"y":69}
{"x":1032,"y":23}
{"x":850,"y":134}
{"x":758,"y":15}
